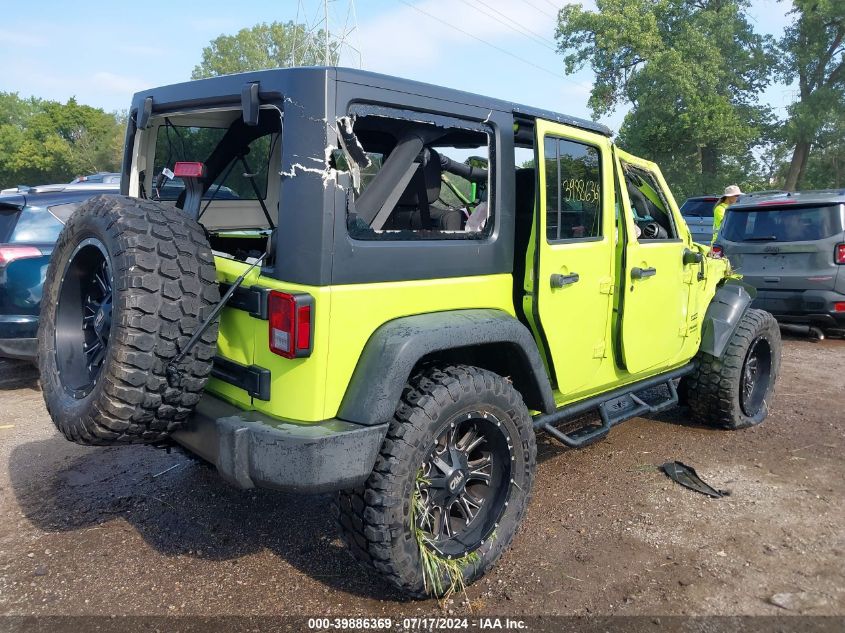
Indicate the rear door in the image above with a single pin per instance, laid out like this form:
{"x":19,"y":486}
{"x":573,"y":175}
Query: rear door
{"x":573,"y":270}
{"x":783,"y":246}
{"x":657,"y":284}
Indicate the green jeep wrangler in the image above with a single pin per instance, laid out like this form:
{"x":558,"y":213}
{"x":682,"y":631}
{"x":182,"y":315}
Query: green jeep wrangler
{"x":322,"y":279}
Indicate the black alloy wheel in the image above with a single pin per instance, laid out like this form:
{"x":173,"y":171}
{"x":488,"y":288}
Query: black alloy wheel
{"x":756,"y":375}
{"x":464,"y":484}
{"x":84,"y":317}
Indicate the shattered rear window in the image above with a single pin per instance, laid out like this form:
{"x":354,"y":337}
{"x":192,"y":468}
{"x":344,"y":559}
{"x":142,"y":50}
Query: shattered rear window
{"x":415,"y":180}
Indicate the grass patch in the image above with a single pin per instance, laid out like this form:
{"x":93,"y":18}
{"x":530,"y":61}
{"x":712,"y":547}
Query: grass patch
{"x":442,"y":576}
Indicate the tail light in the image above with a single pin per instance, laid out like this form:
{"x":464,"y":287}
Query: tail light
{"x":717,"y":252}
{"x":11,"y":253}
{"x":189,"y":170}
{"x":839,"y":254}
{"x":839,"y":306}
{"x":291,"y":324}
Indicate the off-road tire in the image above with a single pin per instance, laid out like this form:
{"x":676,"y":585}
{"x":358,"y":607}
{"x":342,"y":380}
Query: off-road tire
{"x":713,"y":390}
{"x":374,"y":519}
{"x":163,"y":287}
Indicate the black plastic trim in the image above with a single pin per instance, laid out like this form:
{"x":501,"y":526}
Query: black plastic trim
{"x":253,"y":450}
{"x":396,"y":347}
{"x":253,"y":379}
{"x":723,"y":314}
{"x":253,"y":300}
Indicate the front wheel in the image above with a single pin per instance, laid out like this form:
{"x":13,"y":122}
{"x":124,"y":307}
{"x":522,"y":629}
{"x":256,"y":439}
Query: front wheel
{"x":735,"y":390}
{"x":450,"y":485}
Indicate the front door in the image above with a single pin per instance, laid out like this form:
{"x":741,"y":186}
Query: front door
{"x":657,"y":283}
{"x":573,"y":234}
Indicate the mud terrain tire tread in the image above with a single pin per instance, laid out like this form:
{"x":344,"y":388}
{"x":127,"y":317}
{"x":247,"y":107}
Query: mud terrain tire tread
{"x":165,"y":286}
{"x":372,"y":518}
{"x":712,"y":390}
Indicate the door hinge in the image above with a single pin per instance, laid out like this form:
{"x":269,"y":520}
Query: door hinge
{"x":606,"y":286}
{"x":598,"y":350}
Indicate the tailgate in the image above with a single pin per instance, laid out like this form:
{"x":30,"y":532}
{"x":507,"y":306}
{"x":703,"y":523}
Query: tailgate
{"x":784,"y":248}
{"x":784,"y":266}
{"x":236,"y":336}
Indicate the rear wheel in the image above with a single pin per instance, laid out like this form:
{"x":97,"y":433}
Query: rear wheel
{"x":128,"y":283}
{"x":451,"y":483}
{"x":735,"y":390}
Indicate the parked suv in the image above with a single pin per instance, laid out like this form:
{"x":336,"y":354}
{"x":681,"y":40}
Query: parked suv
{"x":401,"y":309}
{"x":698,"y":214}
{"x":791,"y":248}
{"x":30,"y":223}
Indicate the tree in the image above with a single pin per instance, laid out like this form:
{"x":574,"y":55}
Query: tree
{"x":47,"y":142}
{"x":814,"y":56}
{"x":691,"y":71}
{"x":274,"y":45}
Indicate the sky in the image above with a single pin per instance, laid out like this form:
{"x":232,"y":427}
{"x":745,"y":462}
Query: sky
{"x":101,"y":53}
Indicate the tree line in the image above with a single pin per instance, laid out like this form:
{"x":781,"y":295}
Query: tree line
{"x":692,"y":73}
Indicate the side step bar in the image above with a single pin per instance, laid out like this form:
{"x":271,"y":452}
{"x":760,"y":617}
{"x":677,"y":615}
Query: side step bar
{"x":614,"y":407}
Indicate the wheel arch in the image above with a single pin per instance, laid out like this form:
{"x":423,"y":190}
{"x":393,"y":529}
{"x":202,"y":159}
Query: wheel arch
{"x":486,"y":338}
{"x":723,"y":315}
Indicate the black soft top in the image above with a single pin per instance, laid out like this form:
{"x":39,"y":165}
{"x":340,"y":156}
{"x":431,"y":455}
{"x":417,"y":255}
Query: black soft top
{"x":312,"y":79}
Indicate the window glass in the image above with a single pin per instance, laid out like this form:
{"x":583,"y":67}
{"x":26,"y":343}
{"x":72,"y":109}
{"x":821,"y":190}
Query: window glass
{"x":177,"y":143}
{"x":649,"y":207}
{"x":699,"y":208}
{"x":782,"y":225}
{"x":413,"y":180}
{"x":36,"y":225}
{"x":573,"y":190}
{"x":8,"y":217}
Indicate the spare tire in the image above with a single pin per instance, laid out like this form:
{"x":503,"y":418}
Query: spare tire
{"x":128,"y":283}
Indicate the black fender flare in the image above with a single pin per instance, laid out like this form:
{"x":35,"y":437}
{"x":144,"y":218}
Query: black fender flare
{"x":395,"y":348}
{"x":723,"y":314}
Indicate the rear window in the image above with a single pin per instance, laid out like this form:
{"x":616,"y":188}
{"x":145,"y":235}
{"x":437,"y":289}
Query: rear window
{"x":36,"y":225}
{"x":699,"y":208}
{"x":176,"y":143}
{"x":782,"y":225}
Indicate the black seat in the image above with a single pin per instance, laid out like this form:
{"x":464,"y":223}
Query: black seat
{"x":408,"y":213}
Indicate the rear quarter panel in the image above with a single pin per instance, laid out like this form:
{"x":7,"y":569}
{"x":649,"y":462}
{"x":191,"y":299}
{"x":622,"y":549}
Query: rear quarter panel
{"x":345,"y":316}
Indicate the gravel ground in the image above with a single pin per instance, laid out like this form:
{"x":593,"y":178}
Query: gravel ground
{"x":92,"y":531}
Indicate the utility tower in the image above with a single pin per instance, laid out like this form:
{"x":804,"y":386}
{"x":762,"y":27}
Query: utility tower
{"x":331,"y":25}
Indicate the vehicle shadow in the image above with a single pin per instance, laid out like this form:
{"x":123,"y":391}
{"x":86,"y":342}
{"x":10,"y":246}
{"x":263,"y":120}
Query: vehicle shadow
{"x":18,"y":374}
{"x":182,"y":507}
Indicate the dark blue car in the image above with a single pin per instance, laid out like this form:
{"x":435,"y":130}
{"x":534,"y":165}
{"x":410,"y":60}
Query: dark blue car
{"x":30,"y":222}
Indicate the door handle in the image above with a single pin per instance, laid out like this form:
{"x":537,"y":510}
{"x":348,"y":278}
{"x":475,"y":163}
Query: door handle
{"x":559,"y":281}
{"x":642,"y":273}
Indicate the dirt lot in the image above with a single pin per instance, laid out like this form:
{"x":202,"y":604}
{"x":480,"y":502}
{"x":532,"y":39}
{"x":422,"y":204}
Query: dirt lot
{"x":140,"y":531}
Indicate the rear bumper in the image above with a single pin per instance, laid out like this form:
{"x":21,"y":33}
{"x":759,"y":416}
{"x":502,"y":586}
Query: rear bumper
{"x":253,"y":450}
{"x":808,"y":307}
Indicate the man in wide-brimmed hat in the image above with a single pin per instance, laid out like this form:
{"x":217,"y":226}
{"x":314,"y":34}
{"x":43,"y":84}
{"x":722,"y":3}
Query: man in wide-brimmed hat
{"x":730,"y":196}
